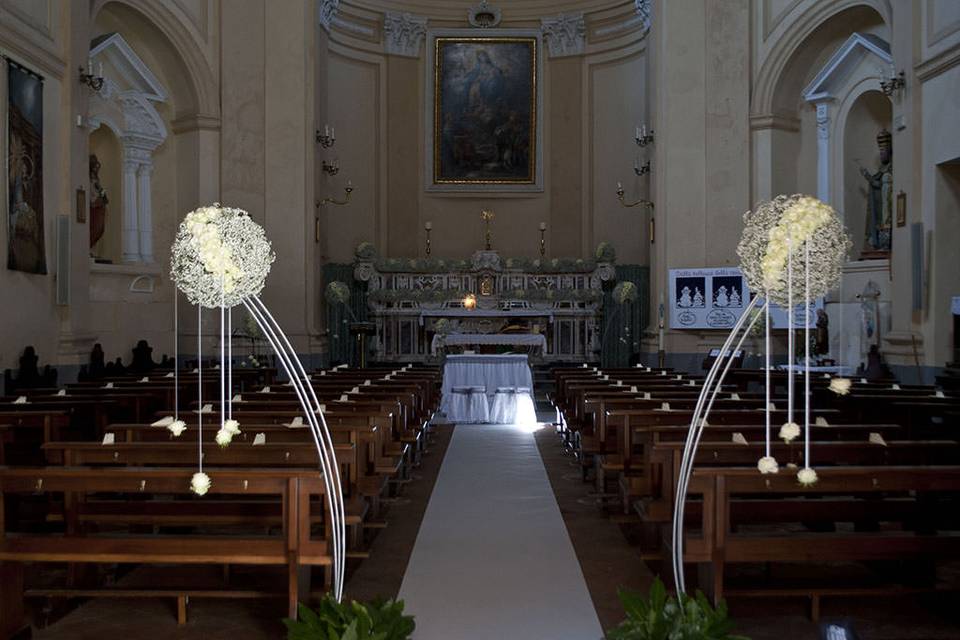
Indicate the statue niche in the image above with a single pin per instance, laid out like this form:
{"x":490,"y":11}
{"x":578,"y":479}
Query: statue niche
{"x":879,"y":200}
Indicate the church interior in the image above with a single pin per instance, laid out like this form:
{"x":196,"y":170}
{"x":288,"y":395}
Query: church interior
{"x":560,"y":320}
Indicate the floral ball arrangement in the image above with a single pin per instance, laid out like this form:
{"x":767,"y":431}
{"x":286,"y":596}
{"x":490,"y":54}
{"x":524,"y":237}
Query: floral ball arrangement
{"x":220,"y":256}
{"x":776,"y":229}
{"x":625,"y":292}
{"x":337,"y":293}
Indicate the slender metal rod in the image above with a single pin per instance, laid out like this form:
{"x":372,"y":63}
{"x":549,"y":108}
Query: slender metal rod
{"x":323,"y":433}
{"x":690,"y":448}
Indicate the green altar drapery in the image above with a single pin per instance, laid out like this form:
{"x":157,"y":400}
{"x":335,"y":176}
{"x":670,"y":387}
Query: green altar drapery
{"x":342,"y":344}
{"x":622,"y":326}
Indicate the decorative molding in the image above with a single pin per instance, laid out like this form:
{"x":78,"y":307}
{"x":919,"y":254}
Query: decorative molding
{"x":367,"y":31}
{"x":483,"y":16}
{"x":783,"y":122}
{"x":326,"y":12}
{"x":565,"y":34}
{"x":403,"y":33}
{"x":939,"y":63}
{"x":936,"y":35}
{"x":639,"y":20}
{"x":841,"y":64}
{"x":823,"y":121}
{"x":197,"y":122}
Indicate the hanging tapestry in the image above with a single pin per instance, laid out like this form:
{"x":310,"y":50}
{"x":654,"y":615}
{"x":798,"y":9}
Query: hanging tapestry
{"x":25,"y":243}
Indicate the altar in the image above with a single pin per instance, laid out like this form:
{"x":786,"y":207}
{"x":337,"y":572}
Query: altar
{"x":487,"y":388}
{"x":533,"y":341}
{"x":549,"y":306}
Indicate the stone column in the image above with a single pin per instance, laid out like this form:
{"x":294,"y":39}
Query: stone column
{"x":144,"y":212}
{"x":130,"y":242}
{"x":823,"y":153}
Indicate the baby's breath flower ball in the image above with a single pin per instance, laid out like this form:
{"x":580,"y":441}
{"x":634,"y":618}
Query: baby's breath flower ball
{"x":779,"y":228}
{"x":220,"y":255}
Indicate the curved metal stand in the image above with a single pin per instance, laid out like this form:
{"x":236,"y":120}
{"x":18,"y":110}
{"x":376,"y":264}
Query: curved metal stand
{"x":711,"y":386}
{"x":300,"y":381}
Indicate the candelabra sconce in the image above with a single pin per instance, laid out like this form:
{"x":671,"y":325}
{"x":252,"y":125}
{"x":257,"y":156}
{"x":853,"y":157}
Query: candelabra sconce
{"x":641,"y":169}
{"x":331,"y":168}
{"x":347,"y":190}
{"x":328,"y":138}
{"x":543,"y":241}
{"x":487,"y":215}
{"x":624,"y":203}
{"x":642,"y":138}
{"x":428,"y":227}
{"x":892,"y":84}
{"x":470,"y":301}
{"x":87,"y":77}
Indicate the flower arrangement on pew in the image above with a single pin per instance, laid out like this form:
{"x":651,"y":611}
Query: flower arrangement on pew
{"x":792,"y":249}
{"x":220,"y":259}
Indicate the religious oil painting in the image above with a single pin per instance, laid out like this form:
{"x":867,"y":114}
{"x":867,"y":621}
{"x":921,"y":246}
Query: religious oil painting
{"x":25,"y":245}
{"x":485,"y":111}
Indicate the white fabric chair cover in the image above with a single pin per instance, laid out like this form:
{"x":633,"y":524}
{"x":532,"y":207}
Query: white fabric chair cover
{"x":504,"y":406}
{"x":468,"y":405}
{"x":525,"y":413}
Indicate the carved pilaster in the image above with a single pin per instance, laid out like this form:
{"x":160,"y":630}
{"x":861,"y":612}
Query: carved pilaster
{"x":565,"y":34}
{"x":403,"y":33}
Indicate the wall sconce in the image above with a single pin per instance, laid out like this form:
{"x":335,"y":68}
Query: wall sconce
{"x":631,"y":204}
{"x":543,"y":242}
{"x":891,"y":84}
{"x":642,"y":138}
{"x":428,"y":227}
{"x":88,"y":78}
{"x":328,"y":138}
{"x":470,"y":301}
{"x":347,"y":190}
{"x":331,"y":168}
{"x":641,"y":169}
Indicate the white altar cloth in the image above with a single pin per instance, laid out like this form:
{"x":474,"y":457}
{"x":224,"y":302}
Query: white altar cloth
{"x":512,"y":339}
{"x":489,"y":372}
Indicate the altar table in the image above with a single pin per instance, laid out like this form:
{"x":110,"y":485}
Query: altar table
{"x":511,"y":339}
{"x":487,"y":371}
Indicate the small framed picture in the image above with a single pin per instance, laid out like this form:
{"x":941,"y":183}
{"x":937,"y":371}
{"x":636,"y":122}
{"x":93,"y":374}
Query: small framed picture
{"x":81,"y":205}
{"x":901,"y":209}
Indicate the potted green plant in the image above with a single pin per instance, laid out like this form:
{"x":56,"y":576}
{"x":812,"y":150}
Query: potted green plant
{"x":332,"y":620}
{"x":660,"y":616}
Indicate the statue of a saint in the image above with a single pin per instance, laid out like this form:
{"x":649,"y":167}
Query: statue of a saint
{"x":880,"y":197}
{"x":822,"y":336}
{"x":98,"y":203}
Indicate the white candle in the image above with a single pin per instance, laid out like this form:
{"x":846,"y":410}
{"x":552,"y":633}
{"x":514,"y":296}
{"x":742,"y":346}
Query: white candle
{"x":619,"y":186}
{"x":543,"y":226}
{"x":89,"y":65}
{"x":638,"y":133}
{"x":333,"y":133}
{"x":349,"y":184}
{"x":326,"y":130}
{"x":428,"y":225}
{"x":100,"y":70}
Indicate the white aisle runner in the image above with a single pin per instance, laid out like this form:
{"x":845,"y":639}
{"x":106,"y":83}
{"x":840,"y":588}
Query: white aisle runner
{"x":493,"y":559}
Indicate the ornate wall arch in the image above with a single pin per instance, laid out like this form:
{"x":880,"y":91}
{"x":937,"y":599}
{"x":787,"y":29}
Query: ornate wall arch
{"x":203,"y":100}
{"x":806,"y":19}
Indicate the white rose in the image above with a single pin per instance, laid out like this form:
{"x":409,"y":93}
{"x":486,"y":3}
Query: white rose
{"x":200,"y":483}
{"x":789,"y":431}
{"x":807,"y":476}
{"x":840,"y":386}
{"x":223,"y":437}
{"x":768,"y":464}
{"x":177,"y":427}
{"x":232,"y":427}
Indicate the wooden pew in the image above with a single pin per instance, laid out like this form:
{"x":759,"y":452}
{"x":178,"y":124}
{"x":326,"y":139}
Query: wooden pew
{"x":928,"y":531}
{"x":295,"y":548}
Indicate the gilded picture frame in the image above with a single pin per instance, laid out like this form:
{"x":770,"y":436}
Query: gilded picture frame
{"x":484,"y":123}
